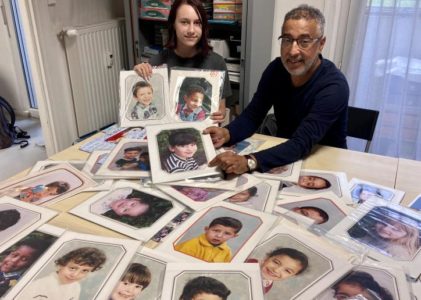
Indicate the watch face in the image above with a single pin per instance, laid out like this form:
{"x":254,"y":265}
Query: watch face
{"x":251,"y":164}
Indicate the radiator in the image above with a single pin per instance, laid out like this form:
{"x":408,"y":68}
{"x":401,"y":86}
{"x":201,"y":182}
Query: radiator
{"x":95,"y":56}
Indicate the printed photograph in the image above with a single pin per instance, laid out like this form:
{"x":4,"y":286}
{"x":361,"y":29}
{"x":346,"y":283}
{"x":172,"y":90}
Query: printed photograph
{"x":77,"y":267}
{"x":389,"y":232}
{"x":186,"y":281}
{"x":416,"y":203}
{"x":324,"y":209}
{"x":18,"y":219}
{"x":143,"y":102}
{"x":50,"y":185}
{"x":367,"y":281}
{"x":130,"y":209}
{"x":179,"y":151}
{"x":361,"y":191}
{"x":129,"y":159}
{"x":18,"y":258}
{"x":290,"y":172}
{"x":143,"y":278}
{"x":317,"y":181}
{"x":222,"y":233}
{"x":195,"y":94}
{"x":260,"y":197}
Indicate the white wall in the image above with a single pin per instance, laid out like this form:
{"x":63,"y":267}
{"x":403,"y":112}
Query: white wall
{"x":336,"y":16}
{"x":53,"y":91}
{"x":12,"y":83}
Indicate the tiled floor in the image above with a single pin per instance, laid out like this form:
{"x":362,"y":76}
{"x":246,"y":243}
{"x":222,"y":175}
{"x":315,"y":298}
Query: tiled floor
{"x":15,"y":159}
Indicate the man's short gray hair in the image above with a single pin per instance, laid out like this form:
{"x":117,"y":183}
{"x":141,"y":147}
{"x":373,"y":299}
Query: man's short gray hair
{"x":307,"y":12}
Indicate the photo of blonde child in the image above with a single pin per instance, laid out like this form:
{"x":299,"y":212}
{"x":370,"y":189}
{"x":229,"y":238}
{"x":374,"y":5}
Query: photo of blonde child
{"x":279,"y":264}
{"x":64,"y":282}
{"x":35,"y":193}
{"x":144,"y":108}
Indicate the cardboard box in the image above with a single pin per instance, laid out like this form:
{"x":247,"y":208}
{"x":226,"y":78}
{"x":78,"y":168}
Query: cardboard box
{"x":165,"y":4}
{"x":231,"y":16}
{"x":154,"y":13}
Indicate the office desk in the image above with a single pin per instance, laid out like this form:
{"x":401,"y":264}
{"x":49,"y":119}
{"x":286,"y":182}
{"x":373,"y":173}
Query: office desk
{"x":370,"y":167}
{"x":408,"y":179}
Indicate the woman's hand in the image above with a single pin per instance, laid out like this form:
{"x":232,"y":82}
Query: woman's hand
{"x":144,"y":70}
{"x":219,"y":116}
{"x":218,"y":135}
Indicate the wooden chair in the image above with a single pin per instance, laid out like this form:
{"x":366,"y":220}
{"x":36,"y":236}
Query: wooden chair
{"x":362,"y":123}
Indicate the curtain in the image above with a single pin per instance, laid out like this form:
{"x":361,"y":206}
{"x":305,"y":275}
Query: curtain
{"x":384,"y":73}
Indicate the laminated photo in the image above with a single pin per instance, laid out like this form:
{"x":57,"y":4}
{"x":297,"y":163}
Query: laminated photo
{"x":144,"y":102}
{"x":246,"y":146}
{"x":143,"y":278}
{"x":47,"y":186}
{"x":195,"y":94}
{"x":186,"y":281}
{"x":179,"y":151}
{"x":17,"y":219}
{"x":199,"y":239}
{"x":362,"y":190}
{"x":99,"y":263}
{"x":199,"y":198}
{"x":307,"y":262}
{"x":129,"y":159}
{"x":371,"y":281}
{"x":317,"y":181}
{"x":130,"y":209}
{"x":260,"y":197}
{"x":290,"y":172}
{"x":388,"y":232}
{"x":325,"y":210}
{"x":18,"y":258}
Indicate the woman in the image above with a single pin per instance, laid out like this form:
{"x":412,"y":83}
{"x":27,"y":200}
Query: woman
{"x":188,"y":47}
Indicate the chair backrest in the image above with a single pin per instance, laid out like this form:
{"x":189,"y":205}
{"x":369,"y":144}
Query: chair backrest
{"x":362,"y":123}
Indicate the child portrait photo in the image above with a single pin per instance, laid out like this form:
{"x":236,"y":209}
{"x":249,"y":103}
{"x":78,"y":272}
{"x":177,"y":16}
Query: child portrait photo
{"x":17,"y":219}
{"x":222,"y":233}
{"x":187,"y":281}
{"x":143,"y":102}
{"x":77,"y":267}
{"x":369,"y":281}
{"x":361,"y":191}
{"x":129,"y":159}
{"x":290,"y":172}
{"x":144,"y":277}
{"x":324,"y":209}
{"x":18,"y":258}
{"x":260,"y":197}
{"x":292,"y":263}
{"x":317,"y":181}
{"x":389,"y":232}
{"x":195,"y":94}
{"x":130,"y":209}
{"x":179,"y":151}
{"x":50,"y":185}
{"x":416,"y":203}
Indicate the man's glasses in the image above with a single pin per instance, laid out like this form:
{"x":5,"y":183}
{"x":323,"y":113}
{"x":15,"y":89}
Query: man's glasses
{"x":303,"y":43}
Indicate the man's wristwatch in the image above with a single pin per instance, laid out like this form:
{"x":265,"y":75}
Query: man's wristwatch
{"x":251,"y":163}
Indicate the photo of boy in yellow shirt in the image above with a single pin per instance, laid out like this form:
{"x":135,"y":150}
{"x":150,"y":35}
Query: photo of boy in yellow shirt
{"x":211,"y":246}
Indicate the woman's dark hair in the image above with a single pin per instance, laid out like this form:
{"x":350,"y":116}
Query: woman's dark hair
{"x":292,"y":253}
{"x":203,"y":44}
{"x":203,"y":284}
{"x":8,"y":218}
{"x":157,"y":208}
{"x":365,"y":281}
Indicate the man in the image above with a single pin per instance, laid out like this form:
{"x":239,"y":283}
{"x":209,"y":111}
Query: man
{"x":308,"y":93}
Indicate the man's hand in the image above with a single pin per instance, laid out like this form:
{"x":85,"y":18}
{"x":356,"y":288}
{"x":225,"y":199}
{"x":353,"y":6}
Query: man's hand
{"x":218,"y":135}
{"x":230,"y":162}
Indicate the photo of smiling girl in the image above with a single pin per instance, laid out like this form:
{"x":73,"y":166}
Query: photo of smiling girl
{"x":279,"y":264}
